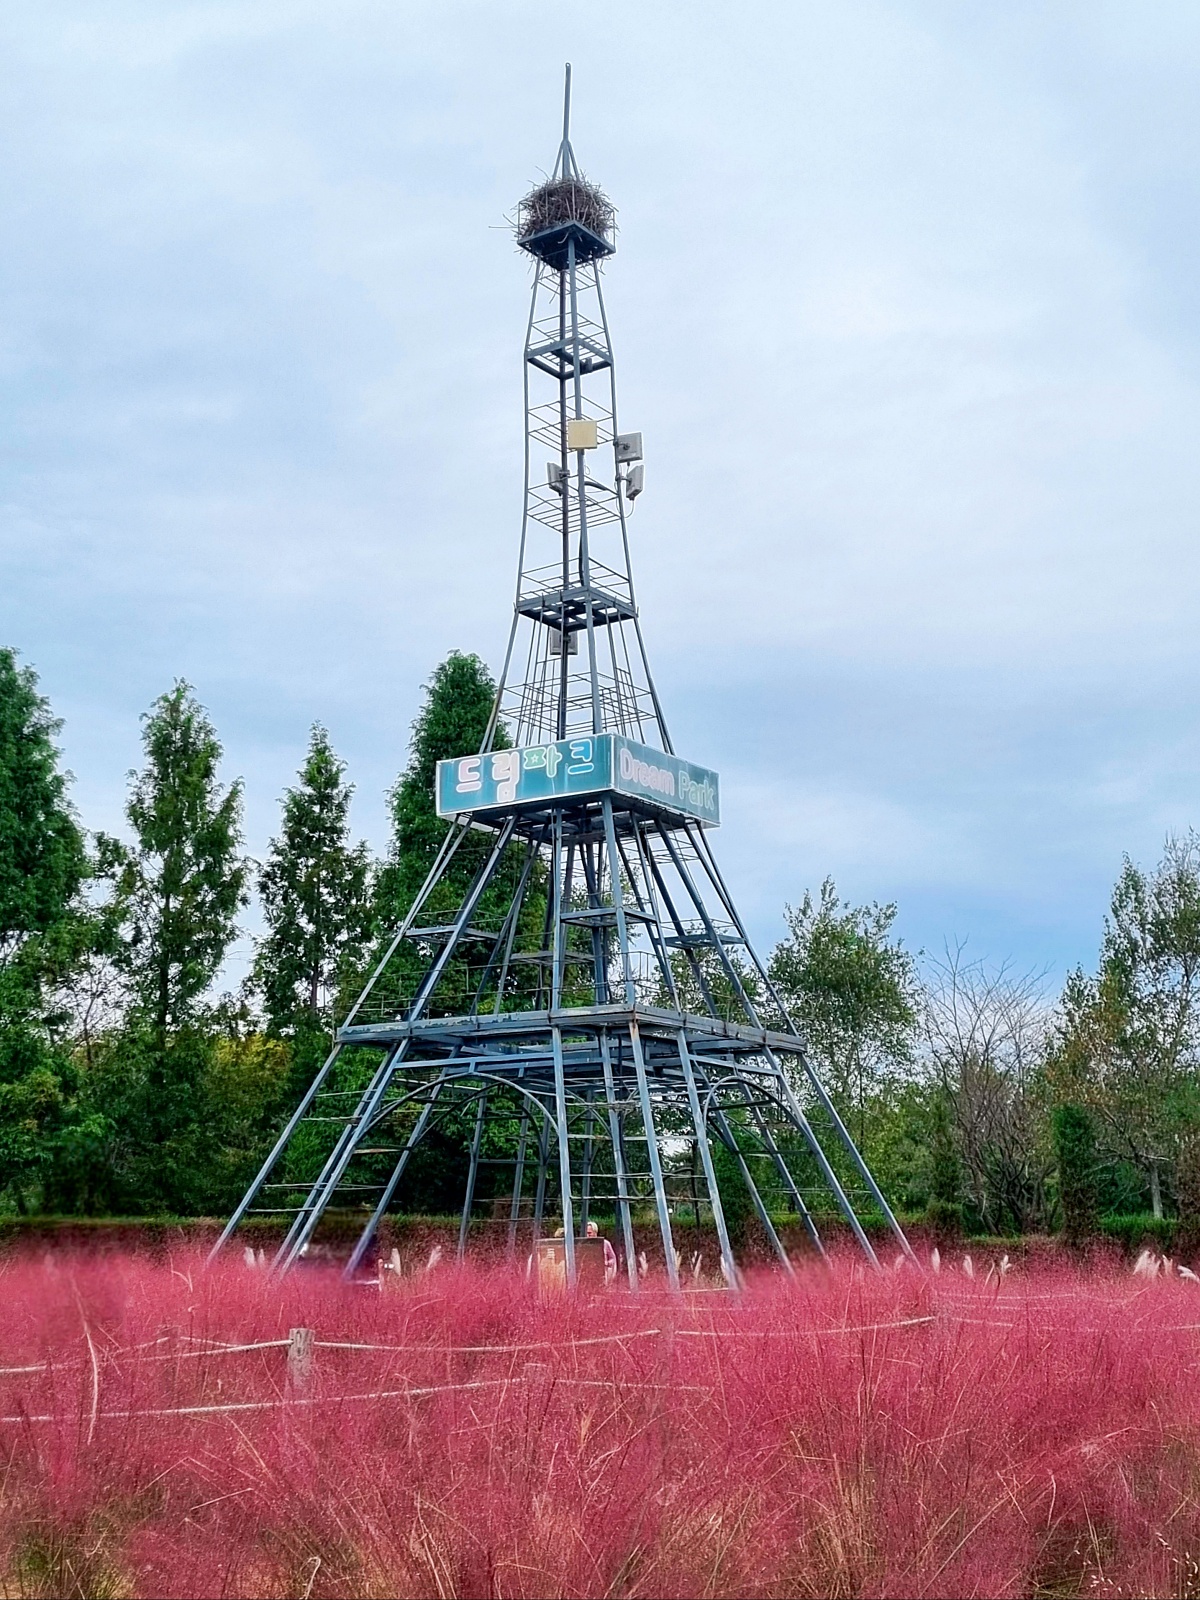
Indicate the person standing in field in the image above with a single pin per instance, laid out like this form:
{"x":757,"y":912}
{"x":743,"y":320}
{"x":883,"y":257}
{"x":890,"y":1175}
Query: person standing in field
{"x":610,"y":1255}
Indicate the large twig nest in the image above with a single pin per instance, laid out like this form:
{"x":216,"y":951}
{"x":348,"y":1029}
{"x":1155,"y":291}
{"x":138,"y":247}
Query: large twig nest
{"x":562,"y":200}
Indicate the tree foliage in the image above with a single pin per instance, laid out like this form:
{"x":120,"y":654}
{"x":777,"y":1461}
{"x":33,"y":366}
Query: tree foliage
{"x":313,"y":889}
{"x":180,"y":885}
{"x":985,"y":1037}
{"x":43,"y":864}
{"x":42,"y":856}
{"x":452,"y":722}
{"x":1187,"y":1192}
{"x":1075,"y":1149}
{"x":126,"y":1084}
{"x":1128,"y":1041}
{"x":851,"y":988}
{"x":177,"y":889}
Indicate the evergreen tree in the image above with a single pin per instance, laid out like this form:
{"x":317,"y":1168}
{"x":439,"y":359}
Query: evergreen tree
{"x":452,"y":722}
{"x":944,"y":1213}
{"x":42,"y":927}
{"x":1075,"y":1148}
{"x":1187,"y":1194}
{"x":42,"y":858}
{"x":736,"y":1203}
{"x":314,"y":895}
{"x":180,"y":886}
{"x":177,"y":891}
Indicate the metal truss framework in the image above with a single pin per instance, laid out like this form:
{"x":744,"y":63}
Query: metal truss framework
{"x":587,"y":994}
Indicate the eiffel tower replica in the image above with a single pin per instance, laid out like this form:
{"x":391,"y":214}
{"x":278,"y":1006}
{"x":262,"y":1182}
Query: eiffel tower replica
{"x":573,"y":988}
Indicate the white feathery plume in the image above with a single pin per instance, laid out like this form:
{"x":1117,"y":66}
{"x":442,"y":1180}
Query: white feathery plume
{"x":435,"y":1255}
{"x":643,"y":1264}
{"x":1186,"y":1272}
{"x":968,"y":1267}
{"x":935,"y":1259}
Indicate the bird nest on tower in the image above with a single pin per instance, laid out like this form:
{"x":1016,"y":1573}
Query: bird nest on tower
{"x":562,"y":201}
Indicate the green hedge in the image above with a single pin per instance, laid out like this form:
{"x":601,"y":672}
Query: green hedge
{"x":1139,"y":1231}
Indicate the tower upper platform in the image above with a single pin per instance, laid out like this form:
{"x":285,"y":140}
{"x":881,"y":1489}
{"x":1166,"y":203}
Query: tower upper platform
{"x":562,"y":212}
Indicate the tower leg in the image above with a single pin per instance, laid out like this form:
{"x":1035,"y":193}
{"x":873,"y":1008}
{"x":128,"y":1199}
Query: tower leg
{"x":539,"y":1199}
{"x":827,"y":1172}
{"x":710,"y":1176}
{"x":585,"y":1193}
{"x":619,"y":1164}
{"x":730,"y":1141}
{"x":768,"y":1138}
{"x":856,"y":1156}
{"x":656,"y":1173}
{"x":264,"y":1172}
{"x":704,"y":851}
{"x":418,"y":1133}
{"x":319,"y":1196}
{"x":464,"y":1227}
{"x":564,"y":1155}
{"x":518,"y":1181}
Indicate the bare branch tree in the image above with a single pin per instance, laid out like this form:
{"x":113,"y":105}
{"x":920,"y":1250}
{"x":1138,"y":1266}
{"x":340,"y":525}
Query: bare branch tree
{"x":986,"y":1030}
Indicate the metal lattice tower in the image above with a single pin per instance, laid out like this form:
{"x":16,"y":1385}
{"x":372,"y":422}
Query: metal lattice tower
{"x":573,"y":976}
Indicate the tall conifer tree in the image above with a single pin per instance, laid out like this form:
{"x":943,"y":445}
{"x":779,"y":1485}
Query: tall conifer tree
{"x":314,"y":894}
{"x":42,"y":860}
{"x":181,"y":884}
{"x":177,"y":892}
{"x":452,"y":722}
{"x":42,"y":866}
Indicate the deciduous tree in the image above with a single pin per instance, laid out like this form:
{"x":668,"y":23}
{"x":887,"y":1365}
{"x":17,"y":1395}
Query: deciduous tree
{"x":985,"y":1030}
{"x":1128,"y":1040}
{"x":852,"y":989}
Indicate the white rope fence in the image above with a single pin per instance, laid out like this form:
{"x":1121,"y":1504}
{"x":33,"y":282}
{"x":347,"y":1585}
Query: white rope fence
{"x":302,"y":1345}
{"x":212,"y":1348}
{"x":301,"y":1342}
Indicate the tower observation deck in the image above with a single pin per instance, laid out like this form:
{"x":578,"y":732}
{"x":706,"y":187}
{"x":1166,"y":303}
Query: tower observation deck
{"x":573,"y":978}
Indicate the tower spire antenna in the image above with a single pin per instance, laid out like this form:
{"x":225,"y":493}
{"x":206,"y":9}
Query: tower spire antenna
{"x":566,"y":166}
{"x":573,"y":978}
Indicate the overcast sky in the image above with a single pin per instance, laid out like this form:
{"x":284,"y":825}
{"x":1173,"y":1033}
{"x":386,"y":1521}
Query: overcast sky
{"x":905,"y":306}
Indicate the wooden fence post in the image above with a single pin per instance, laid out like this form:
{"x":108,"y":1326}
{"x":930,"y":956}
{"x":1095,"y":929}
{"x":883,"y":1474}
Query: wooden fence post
{"x":300,"y":1357}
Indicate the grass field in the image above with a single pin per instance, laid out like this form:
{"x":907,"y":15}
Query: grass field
{"x":849,"y":1433}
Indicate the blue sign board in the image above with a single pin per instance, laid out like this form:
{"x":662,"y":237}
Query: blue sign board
{"x":595,"y":764}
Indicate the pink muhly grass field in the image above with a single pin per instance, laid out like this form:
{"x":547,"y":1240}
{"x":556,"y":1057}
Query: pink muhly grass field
{"x":850,"y":1433}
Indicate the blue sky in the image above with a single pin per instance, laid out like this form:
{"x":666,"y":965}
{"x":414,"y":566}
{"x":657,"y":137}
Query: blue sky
{"x":905,"y":307}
